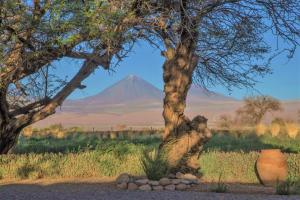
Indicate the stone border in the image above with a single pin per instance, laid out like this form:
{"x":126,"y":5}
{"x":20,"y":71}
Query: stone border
{"x":172,"y":182}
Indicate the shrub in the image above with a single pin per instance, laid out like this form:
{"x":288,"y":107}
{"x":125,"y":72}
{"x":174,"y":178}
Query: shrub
{"x":275,"y":129}
{"x":60,"y":134}
{"x":285,"y":188}
{"x":292,"y":129}
{"x":297,"y":186}
{"x":221,"y":187}
{"x":27,"y":132}
{"x":225,"y":121}
{"x":154,"y":165}
{"x":260,"y":129}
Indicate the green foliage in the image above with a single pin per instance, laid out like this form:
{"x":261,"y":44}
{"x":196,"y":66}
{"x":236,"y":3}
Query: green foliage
{"x":247,"y":141}
{"x":294,"y":167}
{"x":285,"y":188}
{"x":234,"y":166}
{"x":80,"y":142}
{"x":105,"y":161}
{"x":87,"y":155}
{"x":154,"y":165}
{"x":297,"y":186}
{"x":221,"y":187}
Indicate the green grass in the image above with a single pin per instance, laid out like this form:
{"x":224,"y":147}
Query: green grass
{"x":79,"y":155}
{"x":247,"y":142}
{"x":228,"y":142}
{"x":234,"y":166}
{"x":79,"y":142}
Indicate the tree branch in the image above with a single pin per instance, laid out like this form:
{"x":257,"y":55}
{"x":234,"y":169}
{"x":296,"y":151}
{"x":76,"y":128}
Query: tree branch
{"x":26,"y":109}
{"x":87,"y":68}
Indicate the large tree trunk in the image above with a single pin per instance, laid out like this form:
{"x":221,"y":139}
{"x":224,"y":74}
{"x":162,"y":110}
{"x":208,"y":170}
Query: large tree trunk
{"x":9,"y":134}
{"x":183,"y":138}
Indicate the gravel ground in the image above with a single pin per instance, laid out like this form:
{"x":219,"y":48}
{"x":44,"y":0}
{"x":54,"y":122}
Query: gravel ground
{"x":107,"y":191}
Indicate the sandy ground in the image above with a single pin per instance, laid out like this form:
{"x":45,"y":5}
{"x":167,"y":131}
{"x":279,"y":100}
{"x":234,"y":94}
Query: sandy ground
{"x":104,"y":189}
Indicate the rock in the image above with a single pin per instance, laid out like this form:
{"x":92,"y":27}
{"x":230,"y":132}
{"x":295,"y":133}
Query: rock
{"x":176,"y":181}
{"x":164,"y":181}
{"x":141,"y":181}
{"x":181,"y":186}
{"x":122,"y":186}
{"x":185,"y":181}
{"x":159,"y":187}
{"x":196,"y":182}
{"x":154,"y":183}
{"x":170,"y":187}
{"x":145,"y":187}
{"x":123,"y":178}
{"x":179,"y":175}
{"x":172,"y":176}
{"x":140,"y":177}
{"x":132,"y":186}
{"x":189,"y":177}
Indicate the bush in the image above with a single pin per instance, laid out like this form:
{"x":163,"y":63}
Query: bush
{"x":292,"y":130}
{"x":221,"y":187}
{"x":260,"y":129}
{"x":27,"y":132}
{"x":275,"y":129}
{"x":285,"y":188}
{"x":225,"y":121}
{"x":154,"y":165}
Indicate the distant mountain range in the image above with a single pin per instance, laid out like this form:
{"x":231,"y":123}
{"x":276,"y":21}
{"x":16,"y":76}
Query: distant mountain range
{"x":137,"y":103}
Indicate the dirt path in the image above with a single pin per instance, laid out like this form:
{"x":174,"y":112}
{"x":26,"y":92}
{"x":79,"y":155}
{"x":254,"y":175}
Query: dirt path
{"x":104,"y":189}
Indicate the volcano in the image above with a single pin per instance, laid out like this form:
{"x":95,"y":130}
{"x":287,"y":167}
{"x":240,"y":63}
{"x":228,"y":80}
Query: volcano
{"x":137,"y":103}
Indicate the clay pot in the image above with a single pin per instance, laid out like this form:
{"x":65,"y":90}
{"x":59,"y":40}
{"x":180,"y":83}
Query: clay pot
{"x":272,"y":167}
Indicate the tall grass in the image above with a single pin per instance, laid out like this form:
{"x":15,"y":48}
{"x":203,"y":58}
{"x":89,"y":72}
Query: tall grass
{"x":234,"y":166}
{"x":275,"y":129}
{"x":292,"y":129}
{"x":82,"y":155}
{"x":260,"y":129}
{"x":154,"y":164}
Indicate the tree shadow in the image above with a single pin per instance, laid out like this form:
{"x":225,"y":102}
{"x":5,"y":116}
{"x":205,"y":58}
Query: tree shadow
{"x":96,"y":189}
{"x":29,"y":171}
{"x":225,"y":141}
{"x":237,"y":141}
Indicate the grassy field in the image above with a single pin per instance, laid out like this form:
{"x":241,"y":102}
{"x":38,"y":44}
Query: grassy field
{"x":87,"y":155}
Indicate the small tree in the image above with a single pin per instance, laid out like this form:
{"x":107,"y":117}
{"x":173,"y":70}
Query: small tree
{"x":256,"y":107}
{"x":225,"y":121}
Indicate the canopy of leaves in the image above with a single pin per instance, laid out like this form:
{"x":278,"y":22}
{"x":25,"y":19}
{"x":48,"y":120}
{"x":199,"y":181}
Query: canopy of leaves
{"x":230,"y":34}
{"x":33,"y":34}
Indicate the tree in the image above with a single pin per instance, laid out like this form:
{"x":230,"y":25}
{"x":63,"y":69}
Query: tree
{"x":256,"y":107}
{"x":33,"y":35}
{"x":211,"y":42}
{"x":225,"y":122}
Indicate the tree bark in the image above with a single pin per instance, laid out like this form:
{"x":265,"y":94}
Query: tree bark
{"x":183,"y":138}
{"x":9,"y":134}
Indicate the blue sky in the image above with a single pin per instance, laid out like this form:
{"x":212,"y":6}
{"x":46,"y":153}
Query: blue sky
{"x":146,"y":62}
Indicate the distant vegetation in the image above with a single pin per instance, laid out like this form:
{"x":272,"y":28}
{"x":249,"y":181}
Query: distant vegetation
{"x":256,"y":107}
{"x":250,"y":117}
